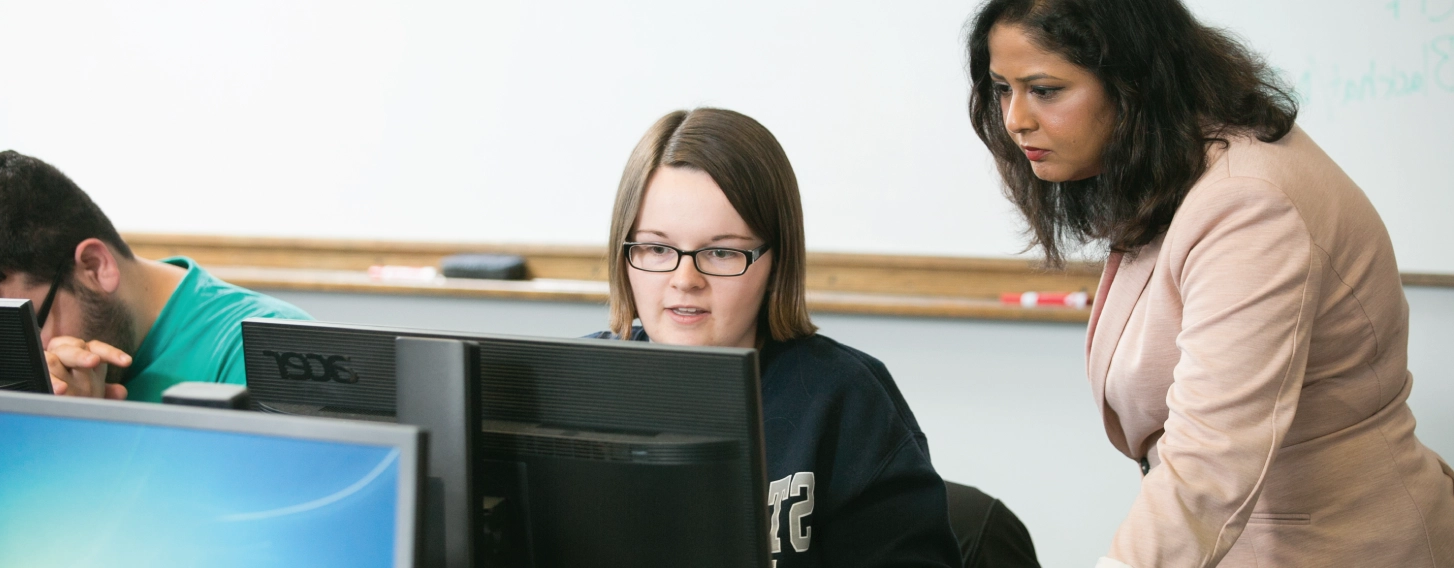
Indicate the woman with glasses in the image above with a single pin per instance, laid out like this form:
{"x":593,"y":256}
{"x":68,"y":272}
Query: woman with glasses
{"x":707,"y":249}
{"x":1249,"y":342}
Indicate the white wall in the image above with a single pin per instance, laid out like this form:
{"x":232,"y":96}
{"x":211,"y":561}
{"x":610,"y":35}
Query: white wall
{"x":509,"y":121}
{"x":1006,"y":405}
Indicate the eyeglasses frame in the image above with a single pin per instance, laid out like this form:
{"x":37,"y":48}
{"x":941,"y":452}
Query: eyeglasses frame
{"x":752,"y":256}
{"x":44,"y":311}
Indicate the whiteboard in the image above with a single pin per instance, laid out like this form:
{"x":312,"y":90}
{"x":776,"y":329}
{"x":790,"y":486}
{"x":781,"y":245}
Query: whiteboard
{"x":510,"y":121}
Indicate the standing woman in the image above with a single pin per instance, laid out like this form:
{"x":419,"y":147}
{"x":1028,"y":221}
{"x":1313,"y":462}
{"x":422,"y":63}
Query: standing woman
{"x":1248,"y":345}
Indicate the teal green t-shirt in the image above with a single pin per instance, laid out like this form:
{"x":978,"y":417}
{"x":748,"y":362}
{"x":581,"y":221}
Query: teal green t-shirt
{"x":198,"y":335}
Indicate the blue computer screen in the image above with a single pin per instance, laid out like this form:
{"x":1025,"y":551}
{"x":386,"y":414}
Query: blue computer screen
{"x":79,"y":493}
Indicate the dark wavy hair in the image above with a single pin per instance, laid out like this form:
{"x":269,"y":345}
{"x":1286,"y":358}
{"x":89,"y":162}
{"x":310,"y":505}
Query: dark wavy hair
{"x":43,"y":216}
{"x":1177,"y":86}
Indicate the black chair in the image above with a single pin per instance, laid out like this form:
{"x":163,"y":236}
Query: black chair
{"x":990,"y":536}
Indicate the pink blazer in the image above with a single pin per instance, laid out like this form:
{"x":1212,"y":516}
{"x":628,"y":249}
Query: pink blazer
{"x":1255,"y":354}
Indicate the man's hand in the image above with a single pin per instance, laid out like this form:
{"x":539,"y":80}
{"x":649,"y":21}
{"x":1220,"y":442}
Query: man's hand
{"x":78,"y":368}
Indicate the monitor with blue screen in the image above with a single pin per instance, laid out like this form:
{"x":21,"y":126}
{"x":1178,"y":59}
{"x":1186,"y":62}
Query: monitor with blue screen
{"x":121,"y":484}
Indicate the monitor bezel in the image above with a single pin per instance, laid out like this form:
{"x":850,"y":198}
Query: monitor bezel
{"x":462,"y":335}
{"x":411,"y":441}
{"x":32,"y":336}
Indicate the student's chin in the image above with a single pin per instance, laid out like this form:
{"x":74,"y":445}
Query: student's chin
{"x":676,"y":335}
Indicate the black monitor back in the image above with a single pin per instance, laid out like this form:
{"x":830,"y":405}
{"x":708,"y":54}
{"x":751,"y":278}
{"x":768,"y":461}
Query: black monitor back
{"x":341,"y":371}
{"x":598,"y":441}
{"x":323,"y":369}
{"x":22,"y":357}
{"x":587,"y":446}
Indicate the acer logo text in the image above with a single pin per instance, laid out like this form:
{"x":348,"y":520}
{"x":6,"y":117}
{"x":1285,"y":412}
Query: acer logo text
{"x":313,"y":367}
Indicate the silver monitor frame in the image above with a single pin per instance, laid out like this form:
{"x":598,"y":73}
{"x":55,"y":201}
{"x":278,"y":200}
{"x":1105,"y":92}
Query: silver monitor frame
{"x":411,"y":441}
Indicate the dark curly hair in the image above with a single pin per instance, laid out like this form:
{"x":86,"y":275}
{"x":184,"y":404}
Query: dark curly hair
{"x":1177,"y":87}
{"x":43,"y":216}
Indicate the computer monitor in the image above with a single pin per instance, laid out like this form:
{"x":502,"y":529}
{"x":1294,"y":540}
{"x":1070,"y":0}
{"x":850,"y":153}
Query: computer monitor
{"x":125,"y":484}
{"x":622,"y":453}
{"x":22,"y":357}
{"x":340,"y":371}
{"x":324,"y":369}
{"x":589,"y":452}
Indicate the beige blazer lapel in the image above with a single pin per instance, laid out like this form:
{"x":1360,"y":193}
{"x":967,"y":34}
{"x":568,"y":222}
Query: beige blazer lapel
{"x":1108,"y":275}
{"x":1108,"y":322}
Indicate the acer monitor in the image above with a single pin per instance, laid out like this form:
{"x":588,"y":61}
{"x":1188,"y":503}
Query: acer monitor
{"x":22,"y":357}
{"x":348,"y":372}
{"x":126,"y":484}
{"x":588,"y":452}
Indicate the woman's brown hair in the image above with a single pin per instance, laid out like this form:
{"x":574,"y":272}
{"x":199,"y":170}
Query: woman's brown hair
{"x":750,"y":166}
{"x":1178,"y":86}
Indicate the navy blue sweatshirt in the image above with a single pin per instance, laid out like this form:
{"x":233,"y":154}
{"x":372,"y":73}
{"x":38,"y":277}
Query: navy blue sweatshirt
{"x":849,"y":477}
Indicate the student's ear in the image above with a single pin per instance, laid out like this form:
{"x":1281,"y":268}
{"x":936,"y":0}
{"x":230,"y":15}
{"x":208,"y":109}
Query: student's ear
{"x":96,"y":268}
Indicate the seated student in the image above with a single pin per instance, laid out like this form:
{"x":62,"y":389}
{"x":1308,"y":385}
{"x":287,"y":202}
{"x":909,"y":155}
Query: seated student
{"x":114,"y":324}
{"x":707,"y":249}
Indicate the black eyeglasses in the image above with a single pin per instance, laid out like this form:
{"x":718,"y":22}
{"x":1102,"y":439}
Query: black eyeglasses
{"x":713,"y":261}
{"x":50,"y":297}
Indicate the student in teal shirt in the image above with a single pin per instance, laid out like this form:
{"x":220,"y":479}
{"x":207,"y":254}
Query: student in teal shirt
{"x":198,"y":336}
{"x":114,"y":324}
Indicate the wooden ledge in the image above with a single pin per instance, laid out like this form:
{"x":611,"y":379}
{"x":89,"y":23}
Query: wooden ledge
{"x":983,"y":278}
{"x":1436,"y":280}
{"x":903,"y":285}
{"x":359,"y":282}
{"x":591,"y":291}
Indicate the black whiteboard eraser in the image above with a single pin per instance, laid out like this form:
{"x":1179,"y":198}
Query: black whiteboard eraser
{"x":488,"y":266}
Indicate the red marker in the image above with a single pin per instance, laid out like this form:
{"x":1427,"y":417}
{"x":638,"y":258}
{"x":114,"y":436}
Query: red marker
{"x":1034,"y":299}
